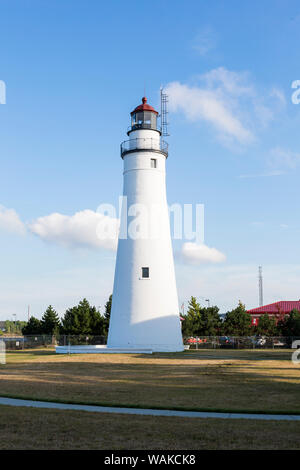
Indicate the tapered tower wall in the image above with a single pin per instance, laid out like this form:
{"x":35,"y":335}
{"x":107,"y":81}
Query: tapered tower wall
{"x":145,"y":310}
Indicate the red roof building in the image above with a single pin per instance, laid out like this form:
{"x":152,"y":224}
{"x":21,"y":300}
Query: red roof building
{"x":277,"y":310}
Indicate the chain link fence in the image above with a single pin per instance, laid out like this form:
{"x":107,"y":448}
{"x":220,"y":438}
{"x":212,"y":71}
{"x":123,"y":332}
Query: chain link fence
{"x":193,"y":342}
{"x":239,"y":342}
{"x":13,"y":343}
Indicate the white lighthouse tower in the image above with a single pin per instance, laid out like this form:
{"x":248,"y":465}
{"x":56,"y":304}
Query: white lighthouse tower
{"x":144,"y":313}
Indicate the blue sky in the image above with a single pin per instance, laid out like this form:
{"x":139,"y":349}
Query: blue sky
{"x":73,"y":72}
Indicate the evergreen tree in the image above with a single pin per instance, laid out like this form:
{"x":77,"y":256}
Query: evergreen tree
{"x":266,"y":326}
{"x":192,"y":320}
{"x":290,"y":325}
{"x":32,"y":327}
{"x":97,"y":322}
{"x":107,"y":314}
{"x":50,"y":323}
{"x":83,"y":319}
{"x":211,"y":323}
{"x":237,"y":322}
{"x":201,"y":321}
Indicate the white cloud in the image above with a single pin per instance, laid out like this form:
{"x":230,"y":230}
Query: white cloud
{"x":194,"y":253}
{"x":204,"y":41}
{"x":229,"y":102}
{"x":84,"y":228}
{"x":279,"y":94}
{"x":202,"y":104}
{"x":232,"y":82}
{"x":10,"y":221}
{"x":280,"y":161}
{"x":283,"y":158}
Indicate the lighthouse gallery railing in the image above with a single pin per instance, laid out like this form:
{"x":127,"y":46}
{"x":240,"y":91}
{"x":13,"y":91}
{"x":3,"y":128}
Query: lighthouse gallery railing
{"x":144,"y":144}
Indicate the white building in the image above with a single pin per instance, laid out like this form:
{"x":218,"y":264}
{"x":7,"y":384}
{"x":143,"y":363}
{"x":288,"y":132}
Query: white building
{"x":145,"y":313}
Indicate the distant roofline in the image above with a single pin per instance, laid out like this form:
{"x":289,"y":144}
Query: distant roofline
{"x":285,"y":305}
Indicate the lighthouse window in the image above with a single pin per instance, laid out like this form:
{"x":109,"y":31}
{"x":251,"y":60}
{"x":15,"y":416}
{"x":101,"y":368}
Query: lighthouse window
{"x":147,"y":119}
{"x":153,"y":163}
{"x":145,"y":272}
{"x":140,"y":118}
{"x":144,"y":120}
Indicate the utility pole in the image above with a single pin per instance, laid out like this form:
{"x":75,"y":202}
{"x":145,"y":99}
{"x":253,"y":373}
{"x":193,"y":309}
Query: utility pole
{"x":260,"y":286}
{"x":15,"y":320}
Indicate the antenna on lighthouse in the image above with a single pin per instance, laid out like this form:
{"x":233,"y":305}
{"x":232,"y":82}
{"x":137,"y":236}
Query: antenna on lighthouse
{"x":164,"y":113}
{"x":260,"y":286}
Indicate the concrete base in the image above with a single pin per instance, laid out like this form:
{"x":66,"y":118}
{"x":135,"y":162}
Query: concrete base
{"x":103,"y":349}
{"x":99,"y":349}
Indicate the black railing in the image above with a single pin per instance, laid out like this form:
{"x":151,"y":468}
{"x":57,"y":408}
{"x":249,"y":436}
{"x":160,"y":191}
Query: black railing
{"x":192,"y":342}
{"x":144,"y":144}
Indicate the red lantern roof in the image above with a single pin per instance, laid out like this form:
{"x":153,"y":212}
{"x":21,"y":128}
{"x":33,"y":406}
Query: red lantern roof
{"x":144,"y":107}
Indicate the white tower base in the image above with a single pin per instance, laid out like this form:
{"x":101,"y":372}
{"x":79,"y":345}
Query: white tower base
{"x":99,"y":349}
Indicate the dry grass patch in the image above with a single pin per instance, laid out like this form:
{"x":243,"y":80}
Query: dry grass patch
{"x":58,"y":429}
{"x":205,"y":379}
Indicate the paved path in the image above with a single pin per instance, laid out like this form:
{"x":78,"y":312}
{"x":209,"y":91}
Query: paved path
{"x":137,"y":411}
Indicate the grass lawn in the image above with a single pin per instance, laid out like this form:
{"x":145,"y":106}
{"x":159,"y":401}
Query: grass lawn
{"x":234,"y":380}
{"x":30,"y":428}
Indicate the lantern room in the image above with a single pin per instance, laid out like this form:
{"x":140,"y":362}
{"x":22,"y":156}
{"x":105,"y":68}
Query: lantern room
{"x":144,"y":117}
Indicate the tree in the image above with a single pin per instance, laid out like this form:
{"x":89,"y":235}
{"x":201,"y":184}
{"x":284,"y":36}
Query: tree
{"x":83,"y":319}
{"x":8,"y":326}
{"x":290,"y":325}
{"x":191,"y":324}
{"x":237,"y":322}
{"x":201,"y":321}
{"x":107,"y":313}
{"x":14,"y":326}
{"x":266,"y":326}
{"x":210,"y":323}
{"x":50,"y":322}
{"x":32,"y":327}
{"x":97,"y":322}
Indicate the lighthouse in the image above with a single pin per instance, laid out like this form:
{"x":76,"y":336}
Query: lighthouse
{"x":144,"y":312}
